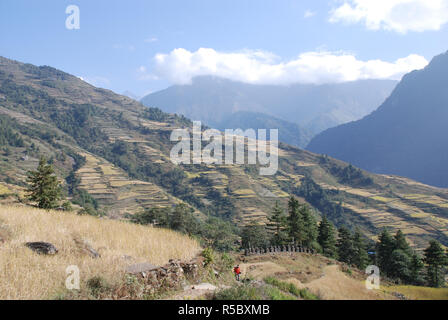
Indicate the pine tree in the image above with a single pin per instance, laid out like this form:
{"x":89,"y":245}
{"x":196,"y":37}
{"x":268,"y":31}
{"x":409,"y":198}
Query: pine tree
{"x":400,"y":263}
{"x":346,"y":249}
{"x":415,"y":269}
{"x":326,"y":238}
{"x":361,"y":258}
{"x":401,"y":243}
{"x":43,"y":186}
{"x":384,"y":247}
{"x":295,"y":221}
{"x":254,"y":235}
{"x":277,"y":221}
{"x":401,"y":258}
{"x":436,"y":260}
{"x":309,"y":224}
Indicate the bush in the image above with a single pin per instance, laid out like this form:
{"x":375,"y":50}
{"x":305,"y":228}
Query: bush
{"x":97,"y":286}
{"x":209,"y":256}
{"x":291,"y":288}
{"x":244,"y":292}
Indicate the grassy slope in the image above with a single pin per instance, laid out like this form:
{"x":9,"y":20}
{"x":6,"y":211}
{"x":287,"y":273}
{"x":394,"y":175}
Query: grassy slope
{"x":27,"y":275}
{"x":238,"y":191}
{"x":319,"y":275}
{"x":326,"y":279}
{"x":420,"y":293}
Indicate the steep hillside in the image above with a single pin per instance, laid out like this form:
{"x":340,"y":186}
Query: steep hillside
{"x":117,"y":151}
{"x":406,"y":136}
{"x":313,"y":107}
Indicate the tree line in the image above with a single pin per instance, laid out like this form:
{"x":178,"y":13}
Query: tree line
{"x":392,"y":254}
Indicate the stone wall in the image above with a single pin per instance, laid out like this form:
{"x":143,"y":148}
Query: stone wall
{"x":277,"y":249}
{"x":170,"y":276}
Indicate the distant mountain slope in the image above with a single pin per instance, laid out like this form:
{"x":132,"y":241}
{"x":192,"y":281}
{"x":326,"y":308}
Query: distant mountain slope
{"x":288,"y":132}
{"x":313,"y":107}
{"x":118,"y":152}
{"x":407,"y":135}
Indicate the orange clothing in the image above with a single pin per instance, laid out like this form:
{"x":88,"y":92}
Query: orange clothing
{"x":237,"y":270}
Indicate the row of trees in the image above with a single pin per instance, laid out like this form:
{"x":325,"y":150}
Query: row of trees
{"x":393,"y":254}
{"x":300,"y":226}
{"x":399,"y":261}
{"x":211,"y":232}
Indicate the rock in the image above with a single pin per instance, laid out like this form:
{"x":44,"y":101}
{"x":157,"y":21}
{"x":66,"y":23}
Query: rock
{"x":86,"y":248}
{"x":204,"y":286}
{"x":42,"y":247}
{"x":141,"y":268}
{"x":190,"y":269}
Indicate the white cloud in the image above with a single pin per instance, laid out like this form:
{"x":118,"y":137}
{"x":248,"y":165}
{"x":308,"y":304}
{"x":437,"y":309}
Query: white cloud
{"x":396,"y":15}
{"x":259,"y":67}
{"x":309,"y":14}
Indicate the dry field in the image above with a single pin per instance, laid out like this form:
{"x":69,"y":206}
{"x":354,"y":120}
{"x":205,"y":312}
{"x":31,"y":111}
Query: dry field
{"x":27,"y":275}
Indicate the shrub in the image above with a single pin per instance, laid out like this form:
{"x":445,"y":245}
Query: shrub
{"x":243,"y":292}
{"x":291,"y":288}
{"x":209,"y":256}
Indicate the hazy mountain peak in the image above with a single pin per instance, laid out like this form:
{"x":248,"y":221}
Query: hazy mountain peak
{"x":407,"y":135}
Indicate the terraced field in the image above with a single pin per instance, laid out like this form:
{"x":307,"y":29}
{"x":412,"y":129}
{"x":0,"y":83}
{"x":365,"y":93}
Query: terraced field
{"x":72,"y":117}
{"x":116,"y":192}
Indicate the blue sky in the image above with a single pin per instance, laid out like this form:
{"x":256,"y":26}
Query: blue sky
{"x":131,"y":45}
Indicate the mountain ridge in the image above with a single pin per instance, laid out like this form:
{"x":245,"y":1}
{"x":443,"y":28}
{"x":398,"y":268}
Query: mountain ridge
{"x":312,"y":107}
{"x":405,"y":136}
{"x":118,"y":151}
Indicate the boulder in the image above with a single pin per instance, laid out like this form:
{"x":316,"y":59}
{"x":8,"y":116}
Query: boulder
{"x":42,"y":247}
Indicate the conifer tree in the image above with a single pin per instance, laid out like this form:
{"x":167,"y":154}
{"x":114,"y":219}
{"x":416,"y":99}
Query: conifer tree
{"x":361,"y":257}
{"x":401,"y":243}
{"x":254,"y":235}
{"x":326,"y":238}
{"x":436,"y":260}
{"x":384,"y":247}
{"x":295,"y":221}
{"x":399,"y":268}
{"x":346,"y":249}
{"x":309,"y":225}
{"x":43,"y":186}
{"x":401,"y":258}
{"x":415,"y":269}
{"x":277,"y":221}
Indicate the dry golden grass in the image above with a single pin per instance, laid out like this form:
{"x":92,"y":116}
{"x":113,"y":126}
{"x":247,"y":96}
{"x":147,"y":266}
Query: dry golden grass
{"x":313,"y":272}
{"x":27,"y":275}
{"x":260,"y":270}
{"x":420,"y":293}
{"x":335,"y":285}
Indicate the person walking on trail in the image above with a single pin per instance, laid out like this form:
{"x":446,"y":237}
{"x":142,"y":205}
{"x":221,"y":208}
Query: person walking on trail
{"x":237,"y":272}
